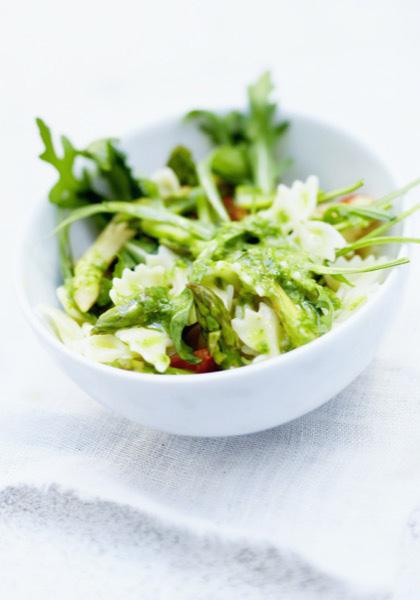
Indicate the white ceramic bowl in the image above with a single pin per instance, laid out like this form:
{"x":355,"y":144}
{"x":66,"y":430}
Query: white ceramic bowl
{"x":242,"y":400}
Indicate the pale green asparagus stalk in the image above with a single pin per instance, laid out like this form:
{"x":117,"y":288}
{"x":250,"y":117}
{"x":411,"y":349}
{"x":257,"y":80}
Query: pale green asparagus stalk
{"x":65,"y":296}
{"x":91,"y":266}
{"x":291,"y":315}
{"x":138,"y":210}
{"x":207,"y":183}
{"x":333,"y":194}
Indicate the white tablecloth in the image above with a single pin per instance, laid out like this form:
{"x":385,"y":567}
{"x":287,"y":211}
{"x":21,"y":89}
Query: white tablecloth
{"x":92,"y":506}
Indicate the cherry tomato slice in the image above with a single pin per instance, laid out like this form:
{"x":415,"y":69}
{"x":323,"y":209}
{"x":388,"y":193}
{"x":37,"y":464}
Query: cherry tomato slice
{"x":207,"y":364}
{"x":236,"y":213}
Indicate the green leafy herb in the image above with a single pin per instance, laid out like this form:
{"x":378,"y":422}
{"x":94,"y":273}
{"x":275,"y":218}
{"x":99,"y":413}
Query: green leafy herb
{"x":228,"y":129}
{"x":71,"y":189}
{"x":263,"y":132}
{"x":113,"y":168}
{"x":181,"y":162}
{"x":247,"y":141}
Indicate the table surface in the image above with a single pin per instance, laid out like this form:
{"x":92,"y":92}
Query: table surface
{"x":99,"y":68}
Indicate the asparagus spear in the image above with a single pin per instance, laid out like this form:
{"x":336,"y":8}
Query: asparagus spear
{"x":91,"y":266}
{"x":183,"y":305}
{"x":215,"y":322}
{"x":207,"y":183}
{"x":139,"y":210}
{"x":333,"y":194}
{"x":152,"y":306}
{"x":292,"y":317}
{"x":65,"y":254}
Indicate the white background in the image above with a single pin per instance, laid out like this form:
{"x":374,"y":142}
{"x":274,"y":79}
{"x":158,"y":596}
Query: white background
{"x":96,"y":68}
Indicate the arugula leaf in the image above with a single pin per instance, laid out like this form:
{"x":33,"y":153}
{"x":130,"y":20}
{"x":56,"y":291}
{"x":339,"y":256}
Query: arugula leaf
{"x":389,"y":198}
{"x":228,"y":129}
{"x":247,"y":141}
{"x":263,"y":132}
{"x":109,"y":176}
{"x":113,"y":168}
{"x":386,"y":226}
{"x":70,"y":190}
{"x":350,"y":215}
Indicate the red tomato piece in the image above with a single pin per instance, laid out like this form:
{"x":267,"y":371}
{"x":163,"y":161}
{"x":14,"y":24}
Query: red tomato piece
{"x":348,"y":199}
{"x":207,"y":364}
{"x":236,"y":213}
{"x":357,"y":199}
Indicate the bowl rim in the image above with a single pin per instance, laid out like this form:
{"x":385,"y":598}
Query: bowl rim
{"x":280,"y":361}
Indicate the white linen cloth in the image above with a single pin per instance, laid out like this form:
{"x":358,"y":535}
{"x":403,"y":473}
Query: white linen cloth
{"x":94,"y":506}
